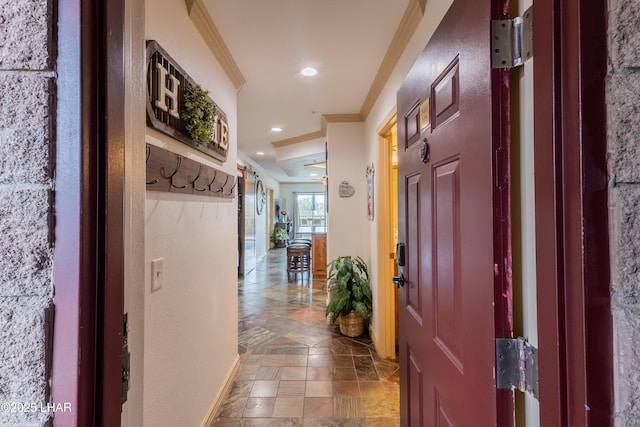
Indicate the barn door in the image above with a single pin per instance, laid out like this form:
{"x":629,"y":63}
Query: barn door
{"x":454,"y":222}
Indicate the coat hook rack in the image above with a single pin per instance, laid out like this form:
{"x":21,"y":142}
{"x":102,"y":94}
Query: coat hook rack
{"x":159,"y":161}
{"x":155,"y":181}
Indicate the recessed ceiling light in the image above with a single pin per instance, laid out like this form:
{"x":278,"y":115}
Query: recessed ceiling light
{"x":276,"y":129}
{"x":308,"y":72}
{"x":260,"y":153}
{"x":314,"y":174}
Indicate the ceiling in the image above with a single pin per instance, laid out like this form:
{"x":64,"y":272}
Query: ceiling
{"x":271,"y":41}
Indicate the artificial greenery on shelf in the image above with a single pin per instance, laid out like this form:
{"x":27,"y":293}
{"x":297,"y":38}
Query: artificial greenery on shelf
{"x":199,"y":114}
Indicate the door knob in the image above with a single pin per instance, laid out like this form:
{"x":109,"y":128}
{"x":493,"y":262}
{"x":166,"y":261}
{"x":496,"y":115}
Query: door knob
{"x":399,"y":281}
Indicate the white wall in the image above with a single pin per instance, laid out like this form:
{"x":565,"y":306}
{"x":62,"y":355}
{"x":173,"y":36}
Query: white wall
{"x":190,"y":336}
{"x":348,"y":229}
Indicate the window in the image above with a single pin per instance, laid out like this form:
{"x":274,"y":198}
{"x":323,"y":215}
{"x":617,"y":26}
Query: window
{"x":311,"y":213}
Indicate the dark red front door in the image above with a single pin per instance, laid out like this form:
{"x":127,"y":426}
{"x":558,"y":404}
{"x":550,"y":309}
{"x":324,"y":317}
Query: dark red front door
{"x":454,"y":222}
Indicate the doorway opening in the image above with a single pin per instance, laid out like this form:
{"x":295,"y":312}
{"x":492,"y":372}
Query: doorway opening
{"x":387,"y":231}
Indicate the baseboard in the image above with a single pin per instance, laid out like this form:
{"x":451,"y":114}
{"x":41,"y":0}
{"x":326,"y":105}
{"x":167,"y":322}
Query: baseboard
{"x":374,"y":339}
{"x":210,"y":418}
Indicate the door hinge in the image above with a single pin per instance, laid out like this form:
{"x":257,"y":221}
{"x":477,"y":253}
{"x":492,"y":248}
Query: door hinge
{"x":512,"y":40}
{"x":517,"y":365}
{"x":126,"y":358}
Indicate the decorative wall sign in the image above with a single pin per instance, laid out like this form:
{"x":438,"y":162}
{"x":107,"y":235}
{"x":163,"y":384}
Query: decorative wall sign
{"x":173,"y":173}
{"x":167,"y":112}
{"x":346,"y":189}
{"x":370,"y":176}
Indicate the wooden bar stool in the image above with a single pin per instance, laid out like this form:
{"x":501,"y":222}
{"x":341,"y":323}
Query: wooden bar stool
{"x":298,"y":260}
{"x":301,"y":241}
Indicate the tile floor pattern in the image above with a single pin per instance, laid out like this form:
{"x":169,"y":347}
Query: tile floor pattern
{"x":295,"y":370}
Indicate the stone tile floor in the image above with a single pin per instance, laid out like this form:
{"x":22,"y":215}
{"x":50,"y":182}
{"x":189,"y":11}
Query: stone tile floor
{"x":296,"y":370}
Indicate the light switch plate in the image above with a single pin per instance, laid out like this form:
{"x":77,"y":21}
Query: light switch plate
{"x":157,"y":274}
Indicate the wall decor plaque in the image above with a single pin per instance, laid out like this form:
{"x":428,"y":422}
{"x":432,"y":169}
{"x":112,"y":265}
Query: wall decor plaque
{"x":346,"y":189}
{"x":167,"y":84}
{"x":370,"y":191}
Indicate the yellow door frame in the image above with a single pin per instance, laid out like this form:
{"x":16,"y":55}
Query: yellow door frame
{"x":387,"y":305}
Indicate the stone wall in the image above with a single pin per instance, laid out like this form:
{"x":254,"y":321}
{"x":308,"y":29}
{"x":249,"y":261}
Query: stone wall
{"x":623,"y":93}
{"x":27,"y":82}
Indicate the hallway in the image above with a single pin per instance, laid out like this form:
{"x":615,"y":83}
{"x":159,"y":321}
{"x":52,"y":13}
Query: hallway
{"x":297,"y":371}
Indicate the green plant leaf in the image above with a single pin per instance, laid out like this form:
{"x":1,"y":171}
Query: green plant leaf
{"x":198,"y":112}
{"x":350,"y":277}
{"x":362,"y":309}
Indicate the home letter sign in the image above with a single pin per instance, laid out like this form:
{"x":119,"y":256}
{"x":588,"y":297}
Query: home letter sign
{"x":167,"y":88}
{"x":166,"y":84}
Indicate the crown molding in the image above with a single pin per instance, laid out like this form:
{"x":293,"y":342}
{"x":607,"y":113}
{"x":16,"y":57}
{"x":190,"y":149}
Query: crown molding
{"x":410,"y":20}
{"x":298,"y":139}
{"x":207,"y":29}
{"x":339,"y":118}
{"x":342,"y":118}
{"x":326,"y":118}
{"x":407,"y":27}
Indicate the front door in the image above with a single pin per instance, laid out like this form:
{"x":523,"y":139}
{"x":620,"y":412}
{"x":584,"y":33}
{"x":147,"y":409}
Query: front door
{"x":454,"y":223}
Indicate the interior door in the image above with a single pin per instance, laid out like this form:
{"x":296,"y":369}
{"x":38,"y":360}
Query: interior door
{"x":453,"y":177}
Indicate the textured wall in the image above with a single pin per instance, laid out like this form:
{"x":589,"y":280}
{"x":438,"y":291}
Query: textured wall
{"x":26,"y":133}
{"x":624,"y":159}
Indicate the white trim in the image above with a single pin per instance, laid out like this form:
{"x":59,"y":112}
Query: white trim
{"x":204,"y":24}
{"x":210,"y":418}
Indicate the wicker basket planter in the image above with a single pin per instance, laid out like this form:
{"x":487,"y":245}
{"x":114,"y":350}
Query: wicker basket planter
{"x":349,"y":294}
{"x":351,"y":325}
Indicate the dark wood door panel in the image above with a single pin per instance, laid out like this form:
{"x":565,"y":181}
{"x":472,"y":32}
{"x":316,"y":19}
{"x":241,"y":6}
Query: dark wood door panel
{"x":414,"y":248}
{"x":447,"y":312}
{"x":447,"y":291}
{"x":414,"y":384}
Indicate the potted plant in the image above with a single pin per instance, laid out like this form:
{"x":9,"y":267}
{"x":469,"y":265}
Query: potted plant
{"x":280,"y":237}
{"x":351,"y":301}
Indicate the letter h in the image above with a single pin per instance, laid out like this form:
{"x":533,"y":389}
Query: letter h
{"x":167,"y":91}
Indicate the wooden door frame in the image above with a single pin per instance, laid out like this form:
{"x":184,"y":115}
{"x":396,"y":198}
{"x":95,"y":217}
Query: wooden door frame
{"x":387,"y":305}
{"x":242,"y":189}
{"x":574,"y":315}
{"x":88,"y":271}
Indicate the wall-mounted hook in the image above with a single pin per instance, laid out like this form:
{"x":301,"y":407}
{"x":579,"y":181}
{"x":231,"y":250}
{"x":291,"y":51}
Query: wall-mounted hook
{"x":193,"y":183}
{"x":221,"y":190}
{"x":215,"y":173}
{"x":170,"y":177}
{"x":232,"y":187}
{"x":155,"y":181}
